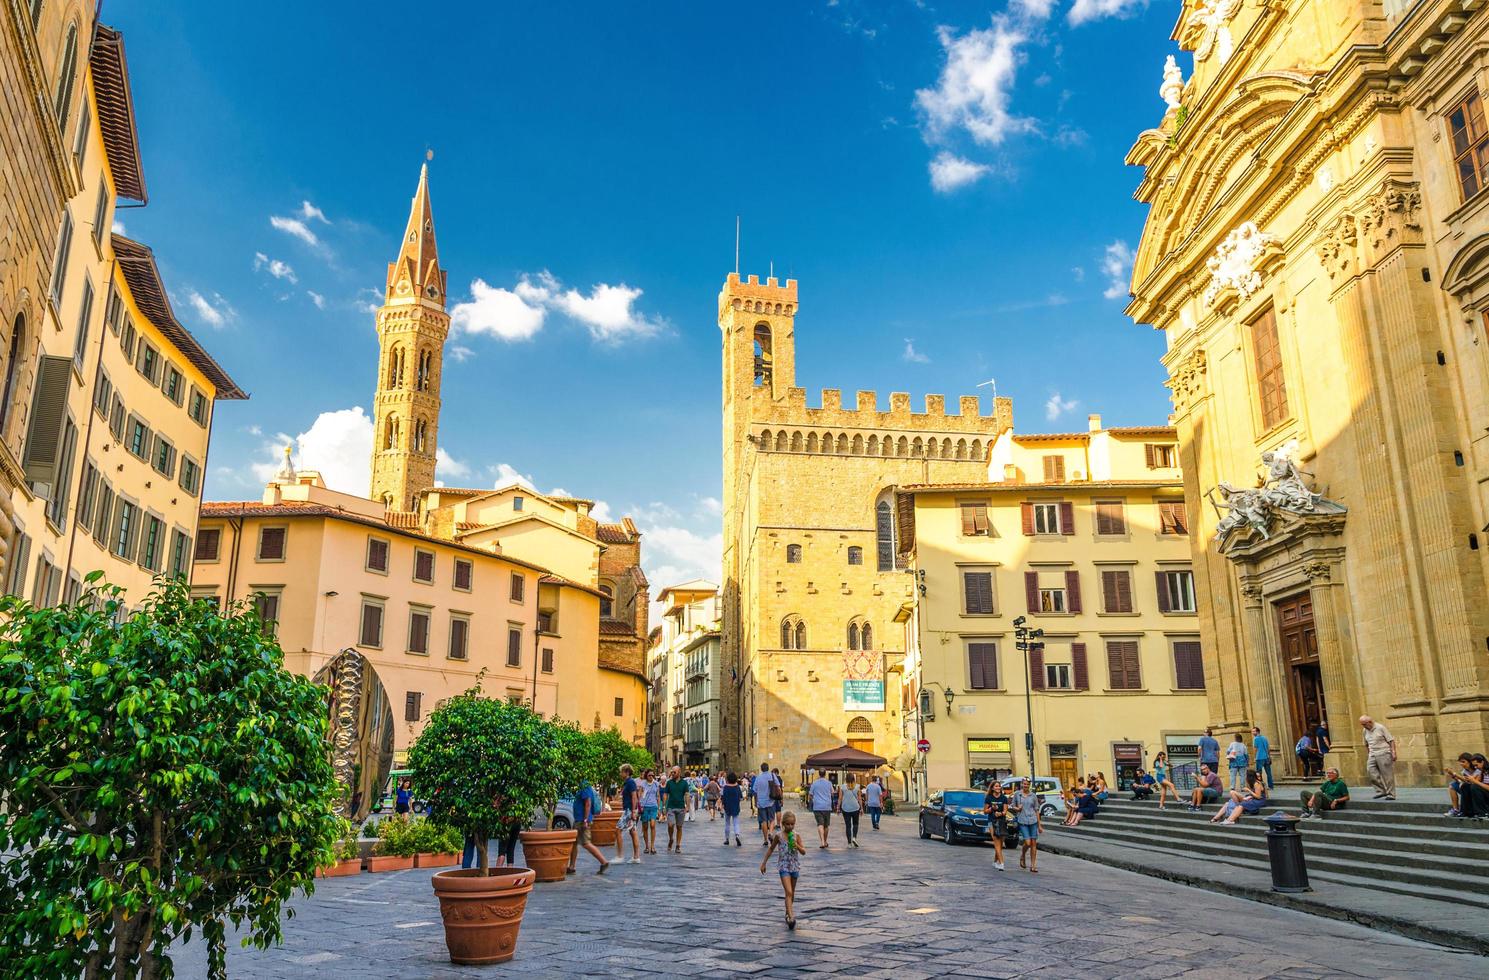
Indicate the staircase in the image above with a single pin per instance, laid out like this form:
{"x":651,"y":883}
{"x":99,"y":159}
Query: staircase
{"x":1401,"y":866}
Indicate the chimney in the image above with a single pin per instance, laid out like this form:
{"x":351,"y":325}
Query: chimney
{"x":1093,"y":423}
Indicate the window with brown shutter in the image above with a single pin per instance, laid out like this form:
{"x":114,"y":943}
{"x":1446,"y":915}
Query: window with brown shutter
{"x":372,"y":624}
{"x":418,"y":631}
{"x":974,"y":519}
{"x":1080,"y":672}
{"x":1271,"y":386}
{"x":271,"y":543}
{"x":1172,"y":518}
{"x":1027,"y":515}
{"x":1067,"y":517}
{"x":423,"y":566}
{"x":514,"y":647}
{"x":519,"y":587}
{"x":546,"y":662}
{"x":377,"y":555}
{"x":982,"y":661}
{"x":1161,"y":456}
{"x":977,"y":592}
{"x":462,"y":574}
{"x":459,"y":638}
{"x":1189,"y":666}
{"x":1054,"y":469}
{"x":1116,"y":590}
{"x":1073,"y":591}
{"x":208,"y":541}
{"x":1036,"y":666}
{"x":1110,"y":518}
{"x":1470,"y":144}
{"x":1031,"y":591}
{"x":1122,"y":665}
{"x":413,"y":703}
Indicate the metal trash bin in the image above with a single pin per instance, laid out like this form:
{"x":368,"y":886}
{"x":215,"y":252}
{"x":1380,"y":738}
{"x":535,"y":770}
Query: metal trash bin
{"x":1285,"y":854}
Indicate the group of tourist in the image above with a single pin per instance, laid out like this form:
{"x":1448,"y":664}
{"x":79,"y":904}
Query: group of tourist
{"x":1084,"y":799}
{"x":1027,"y":808}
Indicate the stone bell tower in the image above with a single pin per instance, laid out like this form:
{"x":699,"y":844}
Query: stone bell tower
{"x":411,"y":328}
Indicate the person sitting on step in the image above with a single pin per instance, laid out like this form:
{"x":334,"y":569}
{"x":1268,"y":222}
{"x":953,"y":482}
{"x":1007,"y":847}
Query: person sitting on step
{"x":1333,"y":794}
{"x":1469,"y":787}
{"x":1248,"y":800}
{"x":1143,"y":785}
{"x":1208,"y":788}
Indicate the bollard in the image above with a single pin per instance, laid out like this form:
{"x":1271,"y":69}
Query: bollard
{"x":1285,"y":852}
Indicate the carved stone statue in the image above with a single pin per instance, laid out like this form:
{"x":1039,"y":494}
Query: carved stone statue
{"x":1210,"y":19}
{"x":1233,"y":266}
{"x":1282,"y":490}
{"x":1172,"y":89}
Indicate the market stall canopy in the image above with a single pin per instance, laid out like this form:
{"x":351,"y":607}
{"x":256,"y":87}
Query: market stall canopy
{"x":845,"y":757}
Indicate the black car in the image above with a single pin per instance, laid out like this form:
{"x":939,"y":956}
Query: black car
{"x":954,"y":815}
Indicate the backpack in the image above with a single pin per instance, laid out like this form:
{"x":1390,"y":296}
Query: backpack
{"x":1305,"y":744}
{"x":775,"y":791}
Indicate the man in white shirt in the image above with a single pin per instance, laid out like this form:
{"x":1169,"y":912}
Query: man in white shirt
{"x":765,"y":809}
{"x":1380,"y":757}
{"x":820,"y":793}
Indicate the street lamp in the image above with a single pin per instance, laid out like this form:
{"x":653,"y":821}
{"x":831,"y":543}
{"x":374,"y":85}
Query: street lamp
{"x":1027,"y":640}
{"x":950,"y":697}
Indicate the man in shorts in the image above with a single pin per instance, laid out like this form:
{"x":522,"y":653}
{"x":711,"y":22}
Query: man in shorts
{"x":1207,"y":789}
{"x":765,"y":813}
{"x":820,"y":794}
{"x":630,"y":817}
{"x":586,"y":805}
{"x":676,"y":793}
{"x":1026,"y":807}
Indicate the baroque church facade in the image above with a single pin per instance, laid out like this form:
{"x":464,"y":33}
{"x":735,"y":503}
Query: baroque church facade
{"x":1317,"y":254}
{"x":814,"y":578}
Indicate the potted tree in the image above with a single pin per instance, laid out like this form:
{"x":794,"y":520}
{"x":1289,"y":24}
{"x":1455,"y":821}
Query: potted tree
{"x":608,"y":752}
{"x":436,"y":846}
{"x":485,"y":765}
{"x":396,"y":846}
{"x":547,"y":851}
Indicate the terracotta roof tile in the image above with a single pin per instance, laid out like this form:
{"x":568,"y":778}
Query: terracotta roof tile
{"x":137,"y":264}
{"x":616,"y":627}
{"x":403,"y":519}
{"x":115,"y":105}
{"x":612,"y":534}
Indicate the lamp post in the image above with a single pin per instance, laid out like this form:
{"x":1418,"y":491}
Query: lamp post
{"x":1026,"y":640}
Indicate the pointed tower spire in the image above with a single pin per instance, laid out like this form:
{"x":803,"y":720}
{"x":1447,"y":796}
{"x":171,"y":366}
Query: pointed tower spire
{"x":417,"y":274}
{"x":411,"y":327}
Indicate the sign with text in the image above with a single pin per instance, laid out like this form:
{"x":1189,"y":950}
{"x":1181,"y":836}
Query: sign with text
{"x":863,"y":695}
{"x":863,"y":680}
{"x":989,"y":745}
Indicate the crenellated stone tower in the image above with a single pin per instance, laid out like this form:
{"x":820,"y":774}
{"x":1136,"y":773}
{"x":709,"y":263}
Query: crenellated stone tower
{"x":411,"y":329}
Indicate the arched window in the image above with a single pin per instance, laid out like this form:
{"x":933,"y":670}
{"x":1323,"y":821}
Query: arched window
{"x":855,"y":555}
{"x":858,"y":445}
{"x":796,"y":442}
{"x":811,"y":442}
{"x":66,"y":75}
{"x":426,"y":367}
{"x":766,"y":441}
{"x":801,"y":635}
{"x":853,"y":636}
{"x":390,"y":434}
{"x":781,"y":441}
{"x":420,"y":432}
{"x":860,"y":726}
{"x":607,"y":601}
{"x":977,"y":449}
{"x":873,"y":445}
{"x":842,"y":443}
{"x":793,"y":634}
{"x":763,"y":354}
{"x":866,"y":636}
{"x":12,"y":367}
{"x":793,"y":554}
{"x":395,"y":366}
{"x":884,"y":534}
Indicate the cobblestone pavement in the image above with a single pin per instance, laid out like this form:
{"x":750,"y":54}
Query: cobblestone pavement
{"x":897,"y":907}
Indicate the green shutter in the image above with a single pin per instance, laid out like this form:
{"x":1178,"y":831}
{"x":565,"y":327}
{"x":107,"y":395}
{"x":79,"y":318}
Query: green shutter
{"x":48,"y":410}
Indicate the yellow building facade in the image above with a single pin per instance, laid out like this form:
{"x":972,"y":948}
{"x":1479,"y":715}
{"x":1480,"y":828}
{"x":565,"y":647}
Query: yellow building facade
{"x":108,"y":397}
{"x":1317,"y":255}
{"x":812,"y":573}
{"x":1084,"y":535}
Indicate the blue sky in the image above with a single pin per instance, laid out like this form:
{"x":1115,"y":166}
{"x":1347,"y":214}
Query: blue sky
{"x":944,"y":179}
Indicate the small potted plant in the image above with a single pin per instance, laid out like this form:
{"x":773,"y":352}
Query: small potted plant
{"x":395,"y":847}
{"x":436,"y":846}
{"x":547,"y":852}
{"x":485,"y":765}
{"x":347,"y":853}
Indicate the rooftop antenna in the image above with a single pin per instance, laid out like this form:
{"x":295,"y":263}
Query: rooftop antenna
{"x":736,"y":246}
{"x":992,"y":383}
{"x":772,"y":268}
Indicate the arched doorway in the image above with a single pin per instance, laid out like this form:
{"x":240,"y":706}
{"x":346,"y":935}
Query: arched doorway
{"x":861,"y":734}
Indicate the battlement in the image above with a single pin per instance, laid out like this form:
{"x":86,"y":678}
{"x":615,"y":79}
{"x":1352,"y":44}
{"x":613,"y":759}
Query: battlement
{"x":793,"y":411}
{"x":754,"y":296}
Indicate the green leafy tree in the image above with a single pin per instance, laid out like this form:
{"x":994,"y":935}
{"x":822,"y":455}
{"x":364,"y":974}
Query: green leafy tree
{"x":485,"y":765}
{"x":576,"y":760}
{"x":163,"y":772}
{"x":608,"y":751}
{"x":640,"y":759}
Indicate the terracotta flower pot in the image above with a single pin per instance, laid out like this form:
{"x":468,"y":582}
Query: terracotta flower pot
{"x":482,"y":913}
{"x":341,"y":869}
{"x":546,"y":852}
{"x":604,"y":829}
{"x":386,"y":863}
{"x":425,"y":859}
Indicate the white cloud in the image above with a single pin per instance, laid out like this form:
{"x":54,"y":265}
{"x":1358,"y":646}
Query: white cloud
{"x":674,"y":554}
{"x":1078,"y":273}
{"x":912,"y":355}
{"x":369,"y":300}
{"x":214,"y":312}
{"x":976,"y":83}
{"x":503,"y":313}
{"x":118,"y":227}
{"x":711,"y":506}
{"x":950,"y":172}
{"x":338,"y":444}
{"x":310,"y":212}
{"x":461,"y":354}
{"x":275,"y":268}
{"x":254,"y":430}
{"x":316,"y":298}
{"x":608,"y":311}
{"x":297,"y":228}
{"x":1035,"y":9}
{"x":1116,"y":265}
{"x":507,"y":475}
{"x":601,"y":512}
{"x":447,"y":466}
{"x":1057,"y":406}
{"x":1083,"y":11}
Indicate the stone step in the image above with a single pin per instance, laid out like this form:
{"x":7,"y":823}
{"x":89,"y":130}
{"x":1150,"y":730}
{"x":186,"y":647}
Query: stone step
{"x":1416,"y":814}
{"x":1441,"y":885}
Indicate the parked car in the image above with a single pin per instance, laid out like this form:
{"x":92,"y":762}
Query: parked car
{"x":1052,"y":800}
{"x":954,"y":814}
{"x":385,"y":802}
{"x":563,"y":814}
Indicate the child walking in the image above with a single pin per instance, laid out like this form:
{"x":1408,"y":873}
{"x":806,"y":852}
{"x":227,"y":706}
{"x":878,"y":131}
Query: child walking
{"x":788,"y":862}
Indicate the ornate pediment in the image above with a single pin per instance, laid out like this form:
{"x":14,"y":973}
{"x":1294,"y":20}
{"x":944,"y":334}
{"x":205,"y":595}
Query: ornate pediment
{"x":1252,"y":514}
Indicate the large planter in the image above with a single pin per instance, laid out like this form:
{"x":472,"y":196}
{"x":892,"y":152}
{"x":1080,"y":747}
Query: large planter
{"x":427,"y":860}
{"x":387,"y":863}
{"x":546,"y":852}
{"x":605,"y":828}
{"x":341,"y":869}
{"x":482,"y":913}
